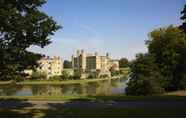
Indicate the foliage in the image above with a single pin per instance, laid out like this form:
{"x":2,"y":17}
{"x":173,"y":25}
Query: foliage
{"x":67,"y":64}
{"x":125,"y":71}
{"x":56,"y":77}
{"x":114,"y":72}
{"x":38,"y":75}
{"x":145,"y":78}
{"x":168,"y":46}
{"x":163,"y":67}
{"x":183,"y":18}
{"x":123,"y":62}
{"x":167,"y":68}
{"x":65,"y":75}
{"x":22,"y":24}
{"x":92,"y":75}
{"x":77,"y":75}
{"x":104,"y":76}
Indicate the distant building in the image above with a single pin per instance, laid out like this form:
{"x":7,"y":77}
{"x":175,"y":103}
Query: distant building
{"x":114,"y":64}
{"x":85,"y":63}
{"x":51,"y":66}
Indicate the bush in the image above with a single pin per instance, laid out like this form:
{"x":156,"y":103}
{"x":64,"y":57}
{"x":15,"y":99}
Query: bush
{"x":65,"y":75}
{"x":55,"y":77}
{"x":104,"y":76}
{"x":36,"y":75}
{"x":92,"y":75}
{"x":144,"y":86}
{"x":115,"y":72}
{"x":77,"y":75}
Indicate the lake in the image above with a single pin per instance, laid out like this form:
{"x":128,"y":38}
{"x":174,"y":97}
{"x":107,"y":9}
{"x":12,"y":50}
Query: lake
{"x":105,"y":87}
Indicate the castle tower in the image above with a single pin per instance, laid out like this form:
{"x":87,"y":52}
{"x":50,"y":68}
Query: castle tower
{"x":72,"y":58}
{"x":82,"y":58}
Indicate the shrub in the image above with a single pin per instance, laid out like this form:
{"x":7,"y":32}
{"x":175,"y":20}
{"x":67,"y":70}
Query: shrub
{"x":77,"y":75}
{"x":65,"y":75}
{"x":36,"y":75}
{"x":115,"y":72}
{"x":56,"y":77}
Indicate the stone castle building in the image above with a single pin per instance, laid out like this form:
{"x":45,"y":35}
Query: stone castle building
{"x":51,"y":66}
{"x":85,"y":63}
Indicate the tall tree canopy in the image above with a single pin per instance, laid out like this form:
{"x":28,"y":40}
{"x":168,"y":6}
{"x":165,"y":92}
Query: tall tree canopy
{"x":22,"y":24}
{"x":145,"y":77}
{"x":168,"y":45}
{"x":163,"y":67}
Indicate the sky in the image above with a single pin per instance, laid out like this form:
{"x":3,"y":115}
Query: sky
{"x":119,"y":27}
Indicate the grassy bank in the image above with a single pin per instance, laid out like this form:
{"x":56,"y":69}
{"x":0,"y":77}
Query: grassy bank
{"x":64,"y":82}
{"x":98,"y":98}
{"x":6,"y":82}
{"x":95,"y":113}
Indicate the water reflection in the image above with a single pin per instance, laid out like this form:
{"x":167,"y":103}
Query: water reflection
{"x":106,"y":87}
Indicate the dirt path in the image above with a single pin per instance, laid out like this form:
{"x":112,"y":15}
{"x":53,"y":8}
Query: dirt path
{"x":88,"y":104}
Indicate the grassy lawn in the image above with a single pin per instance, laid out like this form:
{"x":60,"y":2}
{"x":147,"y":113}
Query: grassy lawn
{"x":98,"y":98}
{"x":60,"y":112}
{"x":95,"y":113}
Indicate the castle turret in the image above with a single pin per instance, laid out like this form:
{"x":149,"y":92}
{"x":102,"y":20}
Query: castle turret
{"x":96,"y":53}
{"x":107,"y":55}
{"x":72,"y":58}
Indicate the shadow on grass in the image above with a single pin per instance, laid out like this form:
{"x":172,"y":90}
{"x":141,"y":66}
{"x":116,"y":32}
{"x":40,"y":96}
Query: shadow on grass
{"x":14,"y":108}
{"x":124,"y":98}
{"x":14,"y":103}
{"x":95,"y":107}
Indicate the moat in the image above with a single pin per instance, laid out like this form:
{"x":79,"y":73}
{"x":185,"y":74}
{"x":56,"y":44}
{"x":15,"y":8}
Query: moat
{"x":105,"y":87}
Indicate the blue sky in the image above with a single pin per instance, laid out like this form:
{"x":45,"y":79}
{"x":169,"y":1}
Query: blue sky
{"x":119,"y":27}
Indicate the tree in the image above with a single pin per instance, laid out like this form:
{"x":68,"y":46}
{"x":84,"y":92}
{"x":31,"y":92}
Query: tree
{"x":145,"y":77}
{"x":168,"y":46}
{"x":163,"y":67}
{"x":123,"y":62}
{"x":22,"y":24}
{"x":183,"y":17}
{"x":67,"y":64}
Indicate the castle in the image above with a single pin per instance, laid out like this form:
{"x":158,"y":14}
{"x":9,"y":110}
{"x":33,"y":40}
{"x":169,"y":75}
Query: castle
{"x":86,"y":63}
{"x":51,"y":66}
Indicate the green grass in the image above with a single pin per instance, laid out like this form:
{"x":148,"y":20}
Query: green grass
{"x":45,"y":98}
{"x":95,"y":113}
{"x":6,"y":82}
{"x":97,"y":98}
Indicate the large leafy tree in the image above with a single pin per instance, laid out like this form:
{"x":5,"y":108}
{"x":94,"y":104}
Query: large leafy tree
{"x":123,"y":62}
{"x":163,"y":67}
{"x":145,"y":77}
{"x":22,"y":24}
{"x":183,"y":18}
{"x":168,"y":46}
